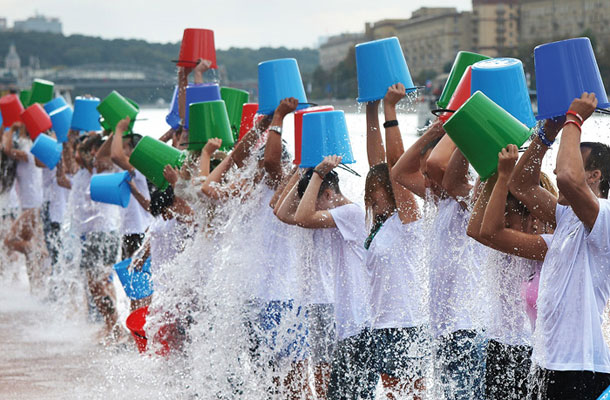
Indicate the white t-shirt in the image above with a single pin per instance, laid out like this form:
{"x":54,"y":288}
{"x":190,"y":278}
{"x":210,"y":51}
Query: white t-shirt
{"x":55,"y":195}
{"x":574,"y":290}
{"x":395,"y":261}
{"x":91,"y":216}
{"x":276,"y":258}
{"x":29,"y":183}
{"x":456,"y":263}
{"x":315,"y":265}
{"x":352,"y":282}
{"x":166,"y":241}
{"x":136,"y":219}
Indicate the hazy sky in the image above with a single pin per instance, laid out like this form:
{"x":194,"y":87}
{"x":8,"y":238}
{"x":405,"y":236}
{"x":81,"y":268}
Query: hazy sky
{"x":240,"y":23}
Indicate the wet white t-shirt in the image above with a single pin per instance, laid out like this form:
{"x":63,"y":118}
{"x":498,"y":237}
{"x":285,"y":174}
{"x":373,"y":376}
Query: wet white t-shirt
{"x":136,"y":219}
{"x":456,"y":261}
{"x":352,"y":282}
{"x":91,"y":216}
{"x":574,"y":290}
{"x":55,"y":195}
{"x":316,"y":268}
{"x":29,"y":183}
{"x":395,"y":261}
{"x":165,"y":241}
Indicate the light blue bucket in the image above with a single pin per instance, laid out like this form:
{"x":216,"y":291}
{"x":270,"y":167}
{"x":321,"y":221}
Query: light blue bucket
{"x":173,"y":117}
{"x":61,"y":119}
{"x":325,"y":134}
{"x":277,"y":80}
{"x":200,"y":93}
{"x":111,"y":188}
{"x":137,"y":284}
{"x":55,"y":104}
{"x":47,"y":150}
{"x":381,"y":64}
{"x":85,"y":116}
{"x":503,"y":81}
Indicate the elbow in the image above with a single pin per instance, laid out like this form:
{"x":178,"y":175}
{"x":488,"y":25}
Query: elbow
{"x":566,"y":181}
{"x":435,"y":170}
{"x":486,"y":234}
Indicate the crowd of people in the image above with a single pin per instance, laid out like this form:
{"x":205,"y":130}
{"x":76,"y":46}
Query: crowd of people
{"x":441,"y":286}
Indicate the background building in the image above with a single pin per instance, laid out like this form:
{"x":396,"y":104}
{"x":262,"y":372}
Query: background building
{"x":39,"y":23}
{"x":336,"y":49}
{"x":495,"y":26}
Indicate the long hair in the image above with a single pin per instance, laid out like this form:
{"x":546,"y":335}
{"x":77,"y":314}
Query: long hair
{"x":377,"y":178}
{"x":8,"y":170}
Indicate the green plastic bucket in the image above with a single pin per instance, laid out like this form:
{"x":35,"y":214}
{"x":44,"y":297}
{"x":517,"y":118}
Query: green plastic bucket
{"x":114,"y":108}
{"x":24,"y":97}
{"x":234,"y":101}
{"x":207,"y":120}
{"x":42,"y":91}
{"x":150,"y":157}
{"x":463,"y":60}
{"x":481,"y":129}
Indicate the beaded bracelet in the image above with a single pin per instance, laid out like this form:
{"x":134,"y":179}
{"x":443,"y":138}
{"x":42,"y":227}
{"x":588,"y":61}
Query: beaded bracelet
{"x":543,"y":138}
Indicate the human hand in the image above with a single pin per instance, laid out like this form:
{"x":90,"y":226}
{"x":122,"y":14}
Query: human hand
{"x":507,"y":159}
{"x":328,"y":164}
{"x":552,"y":126}
{"x":212,"y":145}
{"x":286,"y":106}
{"x":123,"y":125}
{"x":171,"y":174}
{"x":583,"y":106}
{"x":202,"y":66}
{"x":394,"y":94}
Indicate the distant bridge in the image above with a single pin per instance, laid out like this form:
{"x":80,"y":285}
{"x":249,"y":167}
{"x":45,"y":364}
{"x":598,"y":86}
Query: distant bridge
{"x":105,"y":75}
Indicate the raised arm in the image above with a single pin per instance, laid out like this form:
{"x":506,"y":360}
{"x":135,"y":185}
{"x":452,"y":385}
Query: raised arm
{"x":244,"y":146}
{"x":206,"y":154}
{"x":7,"y":143}
{"x":374,"y":144}
{"x":144,"y":202}
{"x":407,"y":171}
{"x":571,"y":175}
{"x":117,"y":153}
{"x":493,"y":228}
{"x":60,"y":173}
{"x":307,"y":216}
{"x":273,"y":148}
{"x":167,"y":136}
{"x":478,"y":212}
{"x":103,"y":161}
{"x":202,"y":66}
{"x":455,"y":179}
{"x":524,"y":183}
{"x":437,"y":163}
{"x":393,"y":138}
{"x":286,"y":206}
{"x":183,"y":81}
{"x":209,"y":187}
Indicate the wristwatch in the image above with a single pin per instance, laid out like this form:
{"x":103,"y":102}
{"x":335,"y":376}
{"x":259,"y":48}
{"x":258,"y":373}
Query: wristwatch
{"x":276,"y":128}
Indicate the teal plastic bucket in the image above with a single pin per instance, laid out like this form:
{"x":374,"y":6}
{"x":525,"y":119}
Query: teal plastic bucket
{"x":137,"y":284}
{"x":324,"y":134}
{"x":111,"y":188}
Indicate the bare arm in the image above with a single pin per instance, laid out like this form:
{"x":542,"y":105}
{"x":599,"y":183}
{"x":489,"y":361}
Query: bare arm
{"x":103,"y":161}
{"x":244,"y":146}
{"x":571,"y":176}
{"x":202,"y":66}
{"x":476,"y":217}
{"x":374,"y":144}
{"x":7,"y":144}
{"x":117,"y":154}
{"x":143,"y":201}
{"x":206,"y":154}
{"x":455,"y":179}
{"x":493,"y":228}
{"x":307,"y":216}
{"x":167,"y":136}
{"x":393,"y":138}
{"x":524,"y":183}
{"x":209,"y":187}
{"x":437,"y":163}
{"x":286,"y":207}
{"x":60,"y":174}
{"x":273,"y":149}
{"x":407,"y":171}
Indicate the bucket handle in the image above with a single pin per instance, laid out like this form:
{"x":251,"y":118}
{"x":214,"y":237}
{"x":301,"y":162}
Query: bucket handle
{"x":348,"y":169}
{"x":438,"y":111}
{"x":602,"y":111}
{"x":309,"y":104}
{"x":415,"y":87}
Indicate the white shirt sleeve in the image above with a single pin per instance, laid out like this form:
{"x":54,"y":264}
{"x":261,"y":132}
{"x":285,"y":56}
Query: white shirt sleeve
{"x":350,"y":222}
{"x":548,"y":239}
{"x":599,"y":237}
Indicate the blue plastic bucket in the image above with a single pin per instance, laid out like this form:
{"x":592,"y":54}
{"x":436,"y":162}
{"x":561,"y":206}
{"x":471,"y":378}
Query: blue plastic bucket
{"x":55,"y":104}
{"x":380,"y":64}
{"x":564,"y":70}
{"x":325,"y":134}
{"x":137,"y":284}
{"x":277,"y":80}
{"x":503,"y":81}
{"x":61,"y":119}
{"x":173,"y":117}
{"x":198,"y":94}
{"x":47,"y":150}
{"x":111,"y":188}
{"x":85,"y":116}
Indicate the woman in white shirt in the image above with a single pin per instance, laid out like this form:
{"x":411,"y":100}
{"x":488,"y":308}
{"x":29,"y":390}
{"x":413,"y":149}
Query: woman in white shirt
{"x":26,"y":235}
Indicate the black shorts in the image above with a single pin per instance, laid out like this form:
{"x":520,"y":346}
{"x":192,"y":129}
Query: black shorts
{"x":507,"y":370}
{"x":130,"y":244}
{"x":402,"y":352}
{"x":567,"y":385}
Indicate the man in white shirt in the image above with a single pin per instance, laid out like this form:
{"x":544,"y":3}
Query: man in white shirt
{"x":572,"y":359}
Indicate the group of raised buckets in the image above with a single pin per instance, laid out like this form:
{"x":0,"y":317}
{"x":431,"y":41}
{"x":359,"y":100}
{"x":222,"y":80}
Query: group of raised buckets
{"x":485,"y":106}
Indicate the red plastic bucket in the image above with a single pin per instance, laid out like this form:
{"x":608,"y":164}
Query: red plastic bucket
{"x":460,"y":95}
{"x":298,"y":128}
{"x":36,"y":120}
{"x":135,"y":323}
{"x":248,"y":111}
{"x":11,"y":109}
{"x":197,"y":43}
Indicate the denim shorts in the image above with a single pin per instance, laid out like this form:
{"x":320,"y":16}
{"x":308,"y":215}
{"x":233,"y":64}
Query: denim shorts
{"x":402,"y":353}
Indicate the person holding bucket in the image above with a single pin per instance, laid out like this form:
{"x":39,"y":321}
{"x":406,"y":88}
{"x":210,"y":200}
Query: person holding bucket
{"x":571,"y":358}
{"x":26,"y":235}
{"x":500,"y":221}
{"x":398,"y":314}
